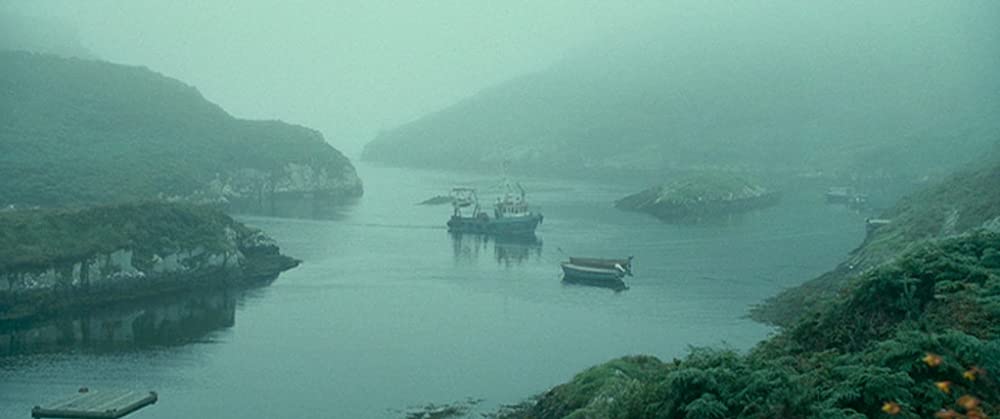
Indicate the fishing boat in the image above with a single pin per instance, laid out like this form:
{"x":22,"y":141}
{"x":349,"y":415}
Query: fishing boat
{"x":511,"y":215}
{"x":609,"y":273}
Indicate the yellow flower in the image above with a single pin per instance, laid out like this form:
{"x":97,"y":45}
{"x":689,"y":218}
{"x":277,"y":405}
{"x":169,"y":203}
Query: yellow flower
{"x":946,"y":414}
{"x":891,"y":408}
{"x":972,"y":373}
{"x":976,"y":414}
{"x":968,"y":402}
{"x":944,"y":386}
{"x":932,"y":360}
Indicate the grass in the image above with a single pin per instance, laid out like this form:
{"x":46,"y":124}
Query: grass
{"x":40,"y":238}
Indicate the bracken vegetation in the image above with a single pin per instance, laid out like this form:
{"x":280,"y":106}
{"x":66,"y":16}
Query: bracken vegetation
{"x":965,"y":201}
{"x":916,"y":338}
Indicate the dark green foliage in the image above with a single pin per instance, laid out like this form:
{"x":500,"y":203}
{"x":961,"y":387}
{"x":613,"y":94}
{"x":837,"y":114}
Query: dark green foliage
{"x":962,"y":202}
{"x":594,"y":386}
{"x":77,"y":132}
{"x":860,"y":351}
{"x":941,"y":285}
{"x":41,"y":238}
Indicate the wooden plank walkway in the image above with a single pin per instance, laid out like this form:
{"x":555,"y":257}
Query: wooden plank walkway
{"x":96,"y":405}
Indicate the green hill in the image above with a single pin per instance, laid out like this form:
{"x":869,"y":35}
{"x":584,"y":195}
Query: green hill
{"x":911,"y":339}
{"x":78,"y":132}
{"x":965,"y":201}
{"x":750,"y":98}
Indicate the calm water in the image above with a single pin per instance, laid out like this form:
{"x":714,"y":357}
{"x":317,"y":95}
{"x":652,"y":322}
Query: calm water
{"x":389,"y":311}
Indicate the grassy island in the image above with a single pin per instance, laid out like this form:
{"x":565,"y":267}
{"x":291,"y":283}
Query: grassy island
{"x":696,"y":196}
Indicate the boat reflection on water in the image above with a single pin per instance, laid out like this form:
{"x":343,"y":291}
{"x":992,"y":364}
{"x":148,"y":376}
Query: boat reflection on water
{"x":177,"y":320}
{"x":507,"y":251}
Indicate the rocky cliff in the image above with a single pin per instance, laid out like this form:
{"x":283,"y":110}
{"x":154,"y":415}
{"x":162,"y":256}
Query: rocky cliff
{"x":77,"y":132}
{"x":52,"y":261}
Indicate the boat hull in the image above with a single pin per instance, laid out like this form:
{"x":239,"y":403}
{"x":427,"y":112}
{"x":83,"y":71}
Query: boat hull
{"x":587,"y":275}
{"x":507,"y":226}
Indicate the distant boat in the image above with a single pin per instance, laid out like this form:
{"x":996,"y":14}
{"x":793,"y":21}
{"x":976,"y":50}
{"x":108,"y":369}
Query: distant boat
{"x":847,"y":196}
{"x":608,"y":273}
{"x":511,"y":215}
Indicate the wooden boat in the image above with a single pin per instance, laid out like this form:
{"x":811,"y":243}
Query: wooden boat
{"x":608,"y":273}
{"x":603,"y":263}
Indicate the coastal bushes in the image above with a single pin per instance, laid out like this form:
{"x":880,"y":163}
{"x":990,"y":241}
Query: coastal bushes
{"x":963,"y":202}
{"x":916,"y":338}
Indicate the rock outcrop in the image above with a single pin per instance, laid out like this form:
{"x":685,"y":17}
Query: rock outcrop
{"x":698,"y":197}
{"x":59,"y":260}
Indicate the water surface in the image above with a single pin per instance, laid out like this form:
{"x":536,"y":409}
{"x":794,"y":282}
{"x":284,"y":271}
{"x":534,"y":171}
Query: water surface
{"x":389,"y":311}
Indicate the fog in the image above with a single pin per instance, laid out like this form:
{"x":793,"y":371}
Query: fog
{"x":354,"y":68}
{"x":347,"y":68}
{"x":516,"y":209}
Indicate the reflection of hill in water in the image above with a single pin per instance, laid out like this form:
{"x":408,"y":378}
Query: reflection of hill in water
{"x":176,"y":320}
{"x":298,"y":206}
{"x":506,"y":251}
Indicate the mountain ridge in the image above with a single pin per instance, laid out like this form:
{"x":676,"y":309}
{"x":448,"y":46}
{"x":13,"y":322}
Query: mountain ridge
{"x":81,"y":132}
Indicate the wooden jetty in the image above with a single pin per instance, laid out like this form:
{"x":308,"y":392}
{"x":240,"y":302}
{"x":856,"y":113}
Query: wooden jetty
{"x":96,"y":405}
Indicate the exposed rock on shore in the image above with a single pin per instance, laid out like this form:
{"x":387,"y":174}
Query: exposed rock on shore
{"x":57,"y":260}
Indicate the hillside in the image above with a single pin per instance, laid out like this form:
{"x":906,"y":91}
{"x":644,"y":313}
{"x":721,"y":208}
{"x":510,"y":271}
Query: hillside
{"x":78,"y":132}
{"x":917,"y":338}
{"x":772,"y":99}
{"x":965,"y":201}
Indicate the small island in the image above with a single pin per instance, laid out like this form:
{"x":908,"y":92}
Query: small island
{"x":697,"y":196}
{"x":52,"y":261}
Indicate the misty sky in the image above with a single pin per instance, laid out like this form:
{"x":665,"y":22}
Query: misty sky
{"x":351,"y":68}
{"x":347,"y":68}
